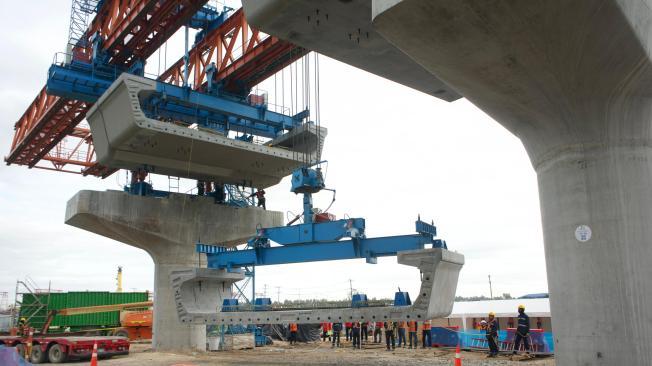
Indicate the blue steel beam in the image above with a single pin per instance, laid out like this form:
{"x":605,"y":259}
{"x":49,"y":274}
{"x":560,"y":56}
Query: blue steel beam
{"x":369,"y":249}
{"x":88,"y":82}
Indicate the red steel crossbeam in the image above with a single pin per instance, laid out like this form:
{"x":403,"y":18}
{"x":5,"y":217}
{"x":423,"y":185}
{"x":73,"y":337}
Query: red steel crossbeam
{"x":49,"y":125}
{"x":130,"y":29}
{"x":253,"y":60}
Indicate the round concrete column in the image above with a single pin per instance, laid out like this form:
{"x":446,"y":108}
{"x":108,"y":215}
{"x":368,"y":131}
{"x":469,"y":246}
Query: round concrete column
{"x":572,"y":80}
{"x":597,"y":219}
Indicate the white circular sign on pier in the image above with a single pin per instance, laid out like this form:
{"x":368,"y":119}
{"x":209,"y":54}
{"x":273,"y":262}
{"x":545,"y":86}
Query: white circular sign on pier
{"x":583,"y":233}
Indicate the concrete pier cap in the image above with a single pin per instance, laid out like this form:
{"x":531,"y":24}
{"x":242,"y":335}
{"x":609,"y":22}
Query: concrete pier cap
{"x":572,"y":80}
{"x":167,"y":229}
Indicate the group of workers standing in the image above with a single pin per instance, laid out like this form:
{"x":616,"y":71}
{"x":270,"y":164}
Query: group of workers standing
{"x":521,"y":335}
{"x":406,"y":333}
{"x":359,"y":332}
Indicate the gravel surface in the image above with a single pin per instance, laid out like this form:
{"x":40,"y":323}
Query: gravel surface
{"x":280,"y":353}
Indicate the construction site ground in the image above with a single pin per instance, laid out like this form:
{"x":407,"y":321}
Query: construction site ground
{"x":316,"y":353}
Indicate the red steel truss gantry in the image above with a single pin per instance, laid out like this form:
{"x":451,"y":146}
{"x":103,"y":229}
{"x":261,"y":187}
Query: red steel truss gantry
{"x":51,"y":135}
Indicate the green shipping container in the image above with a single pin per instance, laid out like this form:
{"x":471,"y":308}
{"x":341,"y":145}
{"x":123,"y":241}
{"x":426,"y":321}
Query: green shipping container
{"x":37,"y":314}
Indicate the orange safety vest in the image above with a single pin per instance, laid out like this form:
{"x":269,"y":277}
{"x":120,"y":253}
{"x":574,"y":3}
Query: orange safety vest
{"x":293,"y":327}
{"x":402,"y":325}
{"x":426,"y":325}
{"x":412,"y":326}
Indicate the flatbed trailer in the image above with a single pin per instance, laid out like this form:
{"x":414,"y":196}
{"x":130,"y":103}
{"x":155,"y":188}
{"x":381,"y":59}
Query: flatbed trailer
{"x":58,"y":349}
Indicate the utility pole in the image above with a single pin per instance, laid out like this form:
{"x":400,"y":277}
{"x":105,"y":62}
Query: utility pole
{"x":265,"y":290}
{"x":351,"y":287}
{"x":278,"y":294}
{"x":491,"y":292}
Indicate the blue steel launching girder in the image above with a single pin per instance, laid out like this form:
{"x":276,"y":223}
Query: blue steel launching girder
{"x":317,"y":241}
{"x":221,"y":112}
{"x":367,"y":248}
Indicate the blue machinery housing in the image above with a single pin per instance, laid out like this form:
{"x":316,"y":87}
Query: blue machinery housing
{"x":220,"y":112}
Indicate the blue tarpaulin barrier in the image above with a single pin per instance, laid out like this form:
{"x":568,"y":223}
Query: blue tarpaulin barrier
{"x":9,"y":357}
{"x":542,"y":342}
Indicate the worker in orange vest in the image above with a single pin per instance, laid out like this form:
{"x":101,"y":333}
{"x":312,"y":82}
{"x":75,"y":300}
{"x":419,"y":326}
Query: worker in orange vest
{"x":412,"y":329}
{"x":402,"y":329}
{"x":293,"y":332}
{"x":325,"y":328}
{"x":425,"y":334}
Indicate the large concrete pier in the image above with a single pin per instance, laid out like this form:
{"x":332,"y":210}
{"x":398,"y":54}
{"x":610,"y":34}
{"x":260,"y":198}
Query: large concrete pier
{"x":167,"y":229}
{"x":572,"y":80}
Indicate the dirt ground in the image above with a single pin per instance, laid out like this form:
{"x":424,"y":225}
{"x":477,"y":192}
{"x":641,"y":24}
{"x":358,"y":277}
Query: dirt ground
{"x":317,"y":353}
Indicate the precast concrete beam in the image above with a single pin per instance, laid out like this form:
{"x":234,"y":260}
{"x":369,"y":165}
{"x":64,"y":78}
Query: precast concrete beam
{"x":167,"y":229}
{"x":572,"y":80}
{"x":439,"y":271}
{"x":125,"y":138}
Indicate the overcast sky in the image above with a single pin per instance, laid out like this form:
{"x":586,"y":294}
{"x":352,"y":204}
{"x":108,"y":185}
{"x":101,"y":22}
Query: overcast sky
{"x":393,"y":153}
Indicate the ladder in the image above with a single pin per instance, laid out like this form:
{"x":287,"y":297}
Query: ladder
{"x":173,"y":184}
{"x":80,"y":16}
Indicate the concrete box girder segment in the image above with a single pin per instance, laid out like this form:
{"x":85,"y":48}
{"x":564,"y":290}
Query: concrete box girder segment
{"x":343,"y":30}
{"x":125,"y":138}
{"x":439,"y":269}
{"x":167,"y":229}
{"x":572,"y":80}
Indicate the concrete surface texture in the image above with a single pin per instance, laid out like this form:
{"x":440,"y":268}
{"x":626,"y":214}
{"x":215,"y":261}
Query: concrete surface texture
{"x":167,"y":229}
{"x":439,"y":270}
{"x":126,"y":138}
{"x":572,"y":80}
{"x":343,"y":30}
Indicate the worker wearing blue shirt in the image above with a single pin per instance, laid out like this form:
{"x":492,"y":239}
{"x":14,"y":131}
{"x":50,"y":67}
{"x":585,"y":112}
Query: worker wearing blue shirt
{"x":522,"y":331}
{"x":337,"y":328}
{"x":491,"y":329}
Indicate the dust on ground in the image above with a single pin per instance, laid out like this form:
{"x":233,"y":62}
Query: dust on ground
{"x":315,"y":353}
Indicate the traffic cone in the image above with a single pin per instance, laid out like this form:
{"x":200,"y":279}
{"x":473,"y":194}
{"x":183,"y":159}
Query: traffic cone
{"x":94,"y":356}
{"x":458,"y":356}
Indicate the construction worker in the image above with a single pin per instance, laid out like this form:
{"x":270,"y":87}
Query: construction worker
{"x":219,"y":194}
{"x":337,"y":329}
{"x":425,"y":334}
{"x":200,"y":188}
{"x":378,"y":332}
{"x":491,"y":330}
{"x":522,"y":332}
{"x":402,"y":329}
{"x":347,"y":327}
{"x":293,"y":332}
{"x":389,"y":335}
{"x":325,"y":328}
{"x":260,"y":196}
{"x":412,"y":335}
{"x":355,"y":335}
{"x":23,"y":328}
{"x":364,"y":331}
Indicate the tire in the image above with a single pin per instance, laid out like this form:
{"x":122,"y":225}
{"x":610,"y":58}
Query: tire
{"x":38,"y":356}
{"x":57,"y":354}
{"x":121,"y":333}
{"x":20,"y":348}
